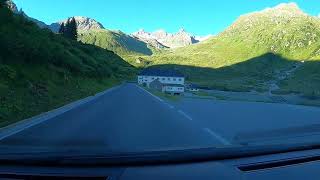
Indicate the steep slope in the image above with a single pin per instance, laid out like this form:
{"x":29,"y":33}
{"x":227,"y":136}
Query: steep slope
{"x":116,"y":41}
{"x":40,"y":70}
{"x":284,"y":30}
{"x":12,"y":6}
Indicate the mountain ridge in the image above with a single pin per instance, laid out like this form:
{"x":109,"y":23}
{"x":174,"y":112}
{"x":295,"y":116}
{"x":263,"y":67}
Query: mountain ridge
{"x":284,"y":30}
{"x":115,"y":41}
{"x":83,"y":24}
{"x":280,"y":32}
{"x":170,"y":40}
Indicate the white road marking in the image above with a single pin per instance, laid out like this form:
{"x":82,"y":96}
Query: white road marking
{"x":169,"y":105}
{"x":19,"y":129}
{"x":185,"y":115}
{"x":150,"y":94}
{"x":217,"y":136}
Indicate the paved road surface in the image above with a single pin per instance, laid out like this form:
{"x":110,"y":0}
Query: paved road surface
{"x":126,"y":119}
{"x":131,"y":119}
{"x":230,"y":118}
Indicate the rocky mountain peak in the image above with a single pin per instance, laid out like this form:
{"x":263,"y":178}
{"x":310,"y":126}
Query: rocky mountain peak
{"x":282,"y":28}
{"x":83,"y":24}
{"x":12,"y":6}
{"x":171,"y":40}
{"x":142,"y":34}
{"x":160,"y":34}
{"x":281,"y":14}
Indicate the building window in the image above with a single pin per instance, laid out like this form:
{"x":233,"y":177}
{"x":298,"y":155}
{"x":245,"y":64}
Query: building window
{"x":163,"y":79}
{"x":174,"y":79}
{"x":180,"y":79}
{"x":169,"y":79}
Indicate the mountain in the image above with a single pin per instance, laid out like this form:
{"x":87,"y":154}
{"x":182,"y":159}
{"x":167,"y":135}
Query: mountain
{"x":284,"y":29}
{"x":11,"y":6}
{"x":40,"y":70}
{"x":148,"y":38}
{"x":83,"y":24}
{"x":92,"y":32}
{"x":163,"y":39}
{"x":255,"y":41}
{"x":115,"y":41}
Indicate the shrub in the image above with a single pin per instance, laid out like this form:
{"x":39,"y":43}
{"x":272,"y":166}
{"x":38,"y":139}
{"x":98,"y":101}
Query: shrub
{"x":3,"y":90}
{"x":7,"y":72}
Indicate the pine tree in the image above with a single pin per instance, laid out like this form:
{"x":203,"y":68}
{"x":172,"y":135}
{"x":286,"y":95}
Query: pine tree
{"x":69,"y":29}
{"x":73,"y":29}
{"x":61,"y":30}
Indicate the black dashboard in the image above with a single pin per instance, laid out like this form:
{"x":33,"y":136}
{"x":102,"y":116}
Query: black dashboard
{"x":294,"y":166}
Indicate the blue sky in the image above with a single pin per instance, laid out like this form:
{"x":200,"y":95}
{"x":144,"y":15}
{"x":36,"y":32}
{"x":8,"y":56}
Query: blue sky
{"x":200,"y":17}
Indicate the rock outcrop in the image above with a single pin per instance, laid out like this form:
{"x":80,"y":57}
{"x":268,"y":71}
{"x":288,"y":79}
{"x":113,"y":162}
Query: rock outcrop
{"x":83,"y":24}
{"x":161,"y":38}
{"x":12,"y":6}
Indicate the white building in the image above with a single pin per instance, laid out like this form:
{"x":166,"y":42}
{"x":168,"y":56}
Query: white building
{"x":170,"y":81}
{"x":173,"y":88}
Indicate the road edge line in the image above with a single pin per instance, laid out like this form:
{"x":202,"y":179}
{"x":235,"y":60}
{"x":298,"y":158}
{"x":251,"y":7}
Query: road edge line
{"x":185,"y":115}
{"x":35,"y":120}
{"x":161,"y":100}
{"x":218,"y":137}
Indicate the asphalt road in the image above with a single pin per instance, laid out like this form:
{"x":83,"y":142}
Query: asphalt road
{"x":126,"y":119}
{"x":257,"y":120}
{"x":130,"y":119}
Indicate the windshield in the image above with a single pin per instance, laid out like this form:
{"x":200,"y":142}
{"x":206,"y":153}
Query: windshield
{"x":85,"y":77}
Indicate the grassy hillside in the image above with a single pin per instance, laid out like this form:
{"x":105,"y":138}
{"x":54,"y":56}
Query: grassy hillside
{"x":305,"y":80}
{"x":240,"y":58}
{"x":243,"y":76}
{"x":116,"y":41}
{"x":40,"y":71}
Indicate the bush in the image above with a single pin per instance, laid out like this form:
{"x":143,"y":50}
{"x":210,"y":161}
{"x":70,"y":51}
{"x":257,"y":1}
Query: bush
{"x":3,"y":90}
{"x":7,"y":72}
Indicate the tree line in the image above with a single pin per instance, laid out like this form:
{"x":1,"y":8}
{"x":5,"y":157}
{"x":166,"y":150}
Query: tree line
{"x":69,"y":29}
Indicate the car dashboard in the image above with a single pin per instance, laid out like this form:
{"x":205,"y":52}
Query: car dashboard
{"x":292,"y":165}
